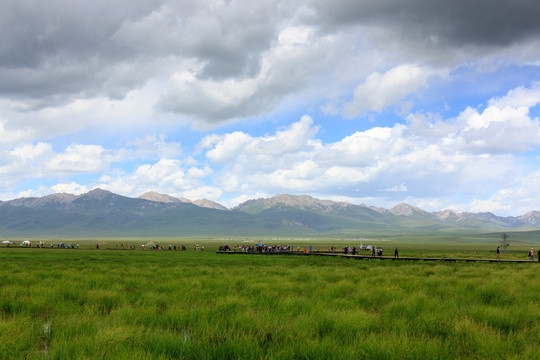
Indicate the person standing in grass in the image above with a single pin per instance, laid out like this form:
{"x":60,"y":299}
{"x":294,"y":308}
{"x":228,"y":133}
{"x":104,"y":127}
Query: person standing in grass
{"x":531,"y":254}
{"x":538,"y":255}
{"x":396,"y":253}
{"x":498,"y":253}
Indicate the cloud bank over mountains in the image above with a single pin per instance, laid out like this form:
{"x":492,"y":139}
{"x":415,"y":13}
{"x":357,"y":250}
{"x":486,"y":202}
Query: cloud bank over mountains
{"x":429,"y":102}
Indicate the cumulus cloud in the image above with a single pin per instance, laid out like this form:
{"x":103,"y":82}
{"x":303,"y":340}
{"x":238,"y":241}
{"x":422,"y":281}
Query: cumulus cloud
{"x":70,"y":188}
{"x":217,"y":61}
{"x":517,"y":196}
{"x":504,"y":126}
{"x":41,"y":161}
{"x":9,"y":136}
{"x":234,"y":51}
{"x":382,"y":90}
{"x":284,"y":68}
{"x":419,"y":160}
{"x":143,"y":70}
{"x":521,"y":97}
{"x":29,"y":152}
{"x":168,"y":176}
{"x":80,"y":159}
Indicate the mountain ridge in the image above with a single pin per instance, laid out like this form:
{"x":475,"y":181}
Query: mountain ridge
{"x":101,"y":212}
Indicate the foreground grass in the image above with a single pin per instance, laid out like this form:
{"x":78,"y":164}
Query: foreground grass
{"x":85,"y":304}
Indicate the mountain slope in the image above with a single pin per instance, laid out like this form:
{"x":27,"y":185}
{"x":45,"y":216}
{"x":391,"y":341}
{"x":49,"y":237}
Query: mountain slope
{"x":154,"y":196}
{"x":103,"y":213}
{"x":321,"y":215}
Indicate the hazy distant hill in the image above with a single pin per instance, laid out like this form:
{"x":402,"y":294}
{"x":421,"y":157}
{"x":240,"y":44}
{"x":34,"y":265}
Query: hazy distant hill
{"x":153,"y":196}
{"x":209,"y":204}
{"x":103,"y":213}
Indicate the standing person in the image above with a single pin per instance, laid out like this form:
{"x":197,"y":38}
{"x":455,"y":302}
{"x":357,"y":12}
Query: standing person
{"x":538,"y":255}
{"x":396,"y":253}
{"x":498,"y":253}
{"x":531,"y":254}
{"x":373,"y":251}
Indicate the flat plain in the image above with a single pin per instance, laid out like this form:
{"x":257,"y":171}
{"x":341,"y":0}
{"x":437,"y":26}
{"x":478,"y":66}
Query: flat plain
{"x":112,"y":304}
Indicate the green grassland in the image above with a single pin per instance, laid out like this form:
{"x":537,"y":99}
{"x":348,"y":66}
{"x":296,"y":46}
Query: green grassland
{"x":112,"y":304}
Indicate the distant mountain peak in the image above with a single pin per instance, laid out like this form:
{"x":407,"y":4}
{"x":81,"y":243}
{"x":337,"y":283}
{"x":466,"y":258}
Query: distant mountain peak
{"x":446,"y":215}
{"x":98,"y":193}
{"x":164,"y":198}
{"x":532,"y":217}
{"x":99,"y":208}
{"x":209,"y":204}
{"x":404,"y":209}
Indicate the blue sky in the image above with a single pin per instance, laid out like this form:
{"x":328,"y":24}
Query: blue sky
{"x":374,"y":102}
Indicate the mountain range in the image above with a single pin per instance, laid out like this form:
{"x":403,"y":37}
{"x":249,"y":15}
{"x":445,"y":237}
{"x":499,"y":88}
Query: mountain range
{"x":102,"y":213}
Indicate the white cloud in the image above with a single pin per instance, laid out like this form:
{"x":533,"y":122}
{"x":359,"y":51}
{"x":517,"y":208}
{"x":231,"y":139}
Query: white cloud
{"x":429,"y":158}
{"x":397,"y":188}
{"x":9,"y":136}
{"x":145,"y":68}
{"x":237,"y":146}
{"x":382,"y":90}
{"x":203,"y":192}
{"x":211,"y":62}
{"x":164,"y":171}
{"x":81,"y":159}
{"x":519,"y":97}
{"x":40,"y":191}
{"x":505,"y":126}
{"x":167,"y":176}
{"x":199,"y":173}
{"x":70,"y":188}
{"x":30,"y":152}
{"x":154,"y":147}
{"x":519,"y":198}
{"x":229,"y":148}
{"x":284,"y":67}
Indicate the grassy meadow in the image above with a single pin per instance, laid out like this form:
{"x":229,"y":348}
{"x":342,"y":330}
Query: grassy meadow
{"x":99,"y":304}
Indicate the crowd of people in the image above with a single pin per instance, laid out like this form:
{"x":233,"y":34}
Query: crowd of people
{"x":42,"y":244}
{"x":259,"y":248}
{"x":376,"y":251}
{"x":264,"y":248}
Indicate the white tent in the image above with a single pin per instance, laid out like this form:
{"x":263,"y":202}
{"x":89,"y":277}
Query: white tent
{"x":150,"y":244}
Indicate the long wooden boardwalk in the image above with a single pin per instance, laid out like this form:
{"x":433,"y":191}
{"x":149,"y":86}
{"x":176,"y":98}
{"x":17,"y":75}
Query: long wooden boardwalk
{"x":365,"y":257}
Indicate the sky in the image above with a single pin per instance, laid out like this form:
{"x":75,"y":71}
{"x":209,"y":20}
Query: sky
{"x":377,"y":102}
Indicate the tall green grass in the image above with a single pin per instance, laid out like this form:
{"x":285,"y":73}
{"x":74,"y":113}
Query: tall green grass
{"x":85,"y":304}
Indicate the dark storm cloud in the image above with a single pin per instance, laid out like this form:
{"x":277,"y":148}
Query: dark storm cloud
{"x":443,"y":22}
{"x":59,"y":50}
{"x":51,"y":51}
